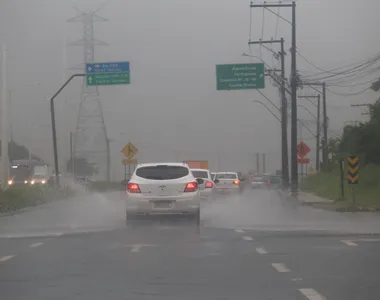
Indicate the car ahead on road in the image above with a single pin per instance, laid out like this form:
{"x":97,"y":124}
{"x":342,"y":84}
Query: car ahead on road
{"x":227,"y":182}
{"x":163,"y":189}
{"x":207,"y":188}
{"x":274,"y":181}
{"x":257,"y":182}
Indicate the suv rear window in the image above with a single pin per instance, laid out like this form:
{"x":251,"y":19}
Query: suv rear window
{"x":226,"y":176}
{"x":162,"y":172}
{"x":200,"y":174}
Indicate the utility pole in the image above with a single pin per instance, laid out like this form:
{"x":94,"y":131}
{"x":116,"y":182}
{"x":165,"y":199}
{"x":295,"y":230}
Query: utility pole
{"x":325,"y":121}
{"x":318,"y":135}
{"x":317,"y":163}
{"x":284,"y":108}
{"x":293,"y":82}
{"x":325,"y":125}
{"x":4,"y":121}
{"x":263,"y":162}
{"x":258,"y":163}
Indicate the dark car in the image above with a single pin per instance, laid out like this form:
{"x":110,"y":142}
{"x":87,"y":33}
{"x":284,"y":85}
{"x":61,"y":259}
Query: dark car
{"x":273,"y":181}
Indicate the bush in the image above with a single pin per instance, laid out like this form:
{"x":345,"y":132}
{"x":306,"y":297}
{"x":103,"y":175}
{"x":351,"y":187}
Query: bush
{"x":327,"y":185}
{"x":15,"y":198}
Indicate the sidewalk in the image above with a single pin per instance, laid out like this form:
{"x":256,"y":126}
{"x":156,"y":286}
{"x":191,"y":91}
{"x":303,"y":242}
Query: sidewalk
{"x":306,"y":198}
{"x":315,"y":201}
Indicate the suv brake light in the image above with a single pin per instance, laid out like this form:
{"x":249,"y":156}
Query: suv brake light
{"x":191,"y":187}
{"x":133,"y":188}
{"x":236,"y":182}
{"x":208,"y":185}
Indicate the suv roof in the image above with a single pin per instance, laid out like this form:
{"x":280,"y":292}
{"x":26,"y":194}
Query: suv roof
{"x":204,"y":170}
{"x":226,"y":173}
{"x":162,"y":164}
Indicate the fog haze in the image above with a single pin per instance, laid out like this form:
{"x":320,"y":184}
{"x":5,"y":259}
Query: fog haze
{"x":172,"y":110}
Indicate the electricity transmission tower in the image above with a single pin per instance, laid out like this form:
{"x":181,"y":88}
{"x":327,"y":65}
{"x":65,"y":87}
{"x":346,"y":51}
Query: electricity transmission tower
{"x":90,"y":137}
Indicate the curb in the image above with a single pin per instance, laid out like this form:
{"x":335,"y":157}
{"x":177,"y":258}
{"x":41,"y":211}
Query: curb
{"x":357,"y":209}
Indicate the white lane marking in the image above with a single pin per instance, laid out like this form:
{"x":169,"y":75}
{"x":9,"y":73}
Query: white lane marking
{"x":297,"y":279}
{"x":247,"y":238}
{"x":35,"y":245}
{"x":261,"y":251}
{"x":367,"y":240}
{"x":349,"y":243}
{"x":239,"y":230}
{"x":136,"y":248}
{"x":311,"y":294}
{"x":280,"y":267}
{"x":5,"y":258}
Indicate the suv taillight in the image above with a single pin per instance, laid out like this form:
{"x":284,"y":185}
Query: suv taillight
{"x":236,"y":182}
{"x":208,"y":184}
{"x":191,"y":187}
{"x":133,"y":188}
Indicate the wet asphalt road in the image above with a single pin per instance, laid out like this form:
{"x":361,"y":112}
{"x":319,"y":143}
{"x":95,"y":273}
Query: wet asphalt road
{"x":250,"y":246}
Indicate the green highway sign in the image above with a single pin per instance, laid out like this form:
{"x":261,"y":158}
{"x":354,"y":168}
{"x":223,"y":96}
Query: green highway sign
{"x":240,"y":76}
{"x":109,"y":73}
{"x":108,"y":79}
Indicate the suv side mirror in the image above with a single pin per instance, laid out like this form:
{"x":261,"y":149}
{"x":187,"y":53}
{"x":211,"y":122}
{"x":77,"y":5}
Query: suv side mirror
{"x":200,"y":181}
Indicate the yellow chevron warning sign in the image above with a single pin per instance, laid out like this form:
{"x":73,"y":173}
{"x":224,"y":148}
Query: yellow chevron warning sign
{"x":353,"y":169}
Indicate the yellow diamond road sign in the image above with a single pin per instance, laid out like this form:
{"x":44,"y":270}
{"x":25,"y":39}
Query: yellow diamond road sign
{"x":129,"y":150}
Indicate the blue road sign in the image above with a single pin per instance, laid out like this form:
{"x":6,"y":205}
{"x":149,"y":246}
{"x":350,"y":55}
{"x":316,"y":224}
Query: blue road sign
{"x":108,"y":67}
{"x":108,"y":73}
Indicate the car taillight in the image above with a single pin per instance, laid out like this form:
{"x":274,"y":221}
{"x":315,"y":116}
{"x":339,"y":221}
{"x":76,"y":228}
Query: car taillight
{"x":191,"y":187}
{"x":208,"y":184}
{"x":236,"y":182}
{"x":268,"y":181}
{"x":133,"y":188}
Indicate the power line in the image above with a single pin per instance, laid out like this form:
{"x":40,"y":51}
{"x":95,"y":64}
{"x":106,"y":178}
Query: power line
{"x":353,"y":84}
{"x":347,"y":70}
{"x":348,"y":67}
{"x":350,"y":94}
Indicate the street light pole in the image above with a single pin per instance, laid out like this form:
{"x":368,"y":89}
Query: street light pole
{"x":72,"y":155}
{"x":53,"y":127}
{"x":4,"y":121}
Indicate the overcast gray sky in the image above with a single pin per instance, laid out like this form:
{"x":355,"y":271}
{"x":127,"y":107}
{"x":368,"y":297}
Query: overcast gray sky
{"x":171,"y":109}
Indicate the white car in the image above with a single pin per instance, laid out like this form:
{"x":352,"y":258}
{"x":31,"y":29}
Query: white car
{"x":257,"y":182}
{"x":227,"y":182}
{"x":207,"y":187}
{"x":163,"y":189}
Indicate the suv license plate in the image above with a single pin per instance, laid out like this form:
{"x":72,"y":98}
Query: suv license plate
{"x":162,"y":205}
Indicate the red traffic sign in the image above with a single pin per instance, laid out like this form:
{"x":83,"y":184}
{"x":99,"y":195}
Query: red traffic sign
{"x":302,"y":149}
{"x":303,"y":161}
